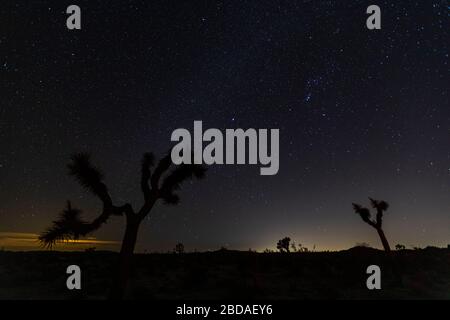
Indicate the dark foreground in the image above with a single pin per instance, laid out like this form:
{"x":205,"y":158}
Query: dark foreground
{"x":417,"y":274}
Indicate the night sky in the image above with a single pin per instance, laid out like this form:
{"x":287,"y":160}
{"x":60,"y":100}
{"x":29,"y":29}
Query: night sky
{"x":361,"y":113}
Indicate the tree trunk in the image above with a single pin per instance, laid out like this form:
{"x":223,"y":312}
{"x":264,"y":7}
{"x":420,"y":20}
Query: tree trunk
{"x":384,"y":241}
{"x":122,"y":274}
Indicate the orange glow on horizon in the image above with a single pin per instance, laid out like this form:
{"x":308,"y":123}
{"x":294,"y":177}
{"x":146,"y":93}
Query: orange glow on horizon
{"x":21,"y":241}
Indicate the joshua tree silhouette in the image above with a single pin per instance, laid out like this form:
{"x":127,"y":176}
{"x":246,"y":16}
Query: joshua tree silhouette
{"x":283,"y":244}
{"x":161,"y":184}
{"x":380,"y":206}
{"x":179,"y":248}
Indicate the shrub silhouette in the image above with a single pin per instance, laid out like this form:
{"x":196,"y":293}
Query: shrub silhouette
{"x":298,"y":247}
{"x":283,"y":244}
{"x":380,"y":206}
{"x":302,"y":249}
{"x":159,"y":184}
{"x":400,"y":247}
{"x":179,"y":248}
{"x":294,"y":246}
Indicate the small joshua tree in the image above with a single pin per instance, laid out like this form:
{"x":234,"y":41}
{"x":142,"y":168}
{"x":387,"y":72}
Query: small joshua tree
{"x":179,"y":248}
{"x":159,"y":184}
{"x":283,"y":244}
{"x":380,"y":206}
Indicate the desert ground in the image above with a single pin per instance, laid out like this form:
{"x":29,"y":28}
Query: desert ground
{"x":228,"y":274}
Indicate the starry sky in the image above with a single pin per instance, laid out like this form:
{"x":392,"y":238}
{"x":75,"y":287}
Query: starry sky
{"x":361,"y":113}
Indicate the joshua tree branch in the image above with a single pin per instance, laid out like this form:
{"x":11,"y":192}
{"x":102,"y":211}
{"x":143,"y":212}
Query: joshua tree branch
{"x":147,"y":207}
{"x":71,"y":226}
{"x":104,"y":216}
{"x":177,"y":176}
{"x":163,"y":166}
{"x":380,"y":206}
{"x":364,"y":213}
{"x":379,"y":218}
